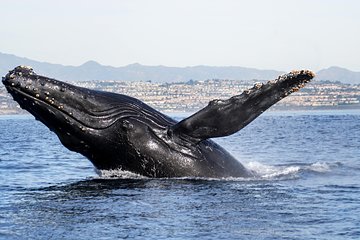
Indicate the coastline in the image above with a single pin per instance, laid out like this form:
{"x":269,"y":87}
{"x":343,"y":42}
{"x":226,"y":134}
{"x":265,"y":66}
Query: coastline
{"x":272,"y":110}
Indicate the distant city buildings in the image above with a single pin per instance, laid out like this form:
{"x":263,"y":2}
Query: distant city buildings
{"x":194,"y":95}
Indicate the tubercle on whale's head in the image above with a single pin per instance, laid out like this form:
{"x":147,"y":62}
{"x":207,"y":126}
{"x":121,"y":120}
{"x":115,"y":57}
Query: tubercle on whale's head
{"x":18,"y":72}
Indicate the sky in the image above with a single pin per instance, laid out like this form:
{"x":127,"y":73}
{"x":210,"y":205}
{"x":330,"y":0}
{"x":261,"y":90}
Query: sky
{"x":277,"y":34}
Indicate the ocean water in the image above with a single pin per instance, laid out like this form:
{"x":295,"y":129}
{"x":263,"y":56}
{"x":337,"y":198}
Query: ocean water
{"x":308,"y":186}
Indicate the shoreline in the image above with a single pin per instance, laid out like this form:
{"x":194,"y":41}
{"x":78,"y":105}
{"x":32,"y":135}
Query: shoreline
{"x":190,"y":112}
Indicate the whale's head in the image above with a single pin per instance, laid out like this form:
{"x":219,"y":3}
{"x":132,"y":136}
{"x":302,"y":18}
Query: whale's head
{"x":90,"y":122}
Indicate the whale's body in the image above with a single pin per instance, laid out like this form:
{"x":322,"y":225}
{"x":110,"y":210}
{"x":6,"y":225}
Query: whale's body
{"x":116,"y":131}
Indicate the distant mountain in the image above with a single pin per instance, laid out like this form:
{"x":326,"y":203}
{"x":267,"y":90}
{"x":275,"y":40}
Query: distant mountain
{"x":339,"y":74}
{"x":92,"y":70}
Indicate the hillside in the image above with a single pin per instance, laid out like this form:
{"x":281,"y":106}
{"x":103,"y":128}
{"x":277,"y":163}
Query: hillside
{"x":92,"y":70}
{"x":339,"y":74}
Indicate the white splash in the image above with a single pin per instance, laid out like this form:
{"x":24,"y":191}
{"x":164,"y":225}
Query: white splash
{"x":260,"y":170}
{"x":272,"y":172}
{"x":268,"y":172}
{"x":118,"y":174}
{"x":320,"y":167}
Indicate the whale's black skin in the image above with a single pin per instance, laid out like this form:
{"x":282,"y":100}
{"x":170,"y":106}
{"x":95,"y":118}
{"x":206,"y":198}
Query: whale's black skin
{"x":116,"y":131}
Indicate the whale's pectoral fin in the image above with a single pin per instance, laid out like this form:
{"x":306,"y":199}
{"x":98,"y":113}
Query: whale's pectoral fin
{"x":225,"y":117}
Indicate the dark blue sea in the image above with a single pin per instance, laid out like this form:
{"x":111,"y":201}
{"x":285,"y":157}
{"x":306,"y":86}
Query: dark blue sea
{"x":308,"y":186}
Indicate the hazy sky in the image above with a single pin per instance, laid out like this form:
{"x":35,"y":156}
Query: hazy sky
{"x":276,"y":34}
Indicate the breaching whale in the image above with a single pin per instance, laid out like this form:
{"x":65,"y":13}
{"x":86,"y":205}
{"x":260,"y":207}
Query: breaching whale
{"x":115,"y":131}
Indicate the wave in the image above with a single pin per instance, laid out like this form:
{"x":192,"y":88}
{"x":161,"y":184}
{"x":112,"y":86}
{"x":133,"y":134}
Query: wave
{"x":291,"y":171}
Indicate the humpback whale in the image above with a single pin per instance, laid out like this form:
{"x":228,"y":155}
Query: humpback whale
{"x":116,"y":131}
